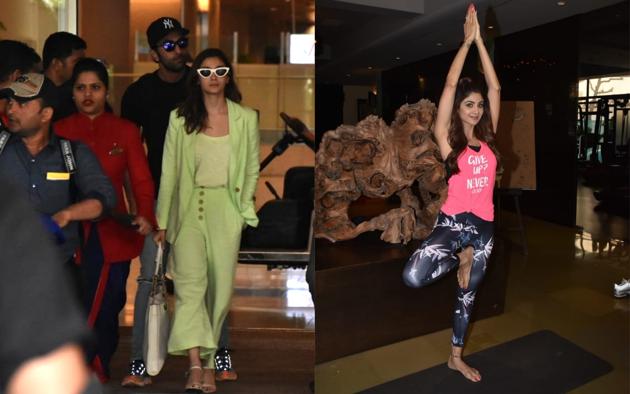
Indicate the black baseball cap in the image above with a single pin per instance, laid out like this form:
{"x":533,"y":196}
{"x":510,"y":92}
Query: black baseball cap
{"x":160,"y":27}
{"x":30,"y":87}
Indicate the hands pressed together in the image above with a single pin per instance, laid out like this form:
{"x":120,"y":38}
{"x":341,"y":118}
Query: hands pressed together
{"x":471,"y":26}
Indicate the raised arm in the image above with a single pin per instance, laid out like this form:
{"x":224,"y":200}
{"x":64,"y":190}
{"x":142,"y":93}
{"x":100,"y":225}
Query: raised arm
{"x":445,"y":106}
{"x":494,"y":89}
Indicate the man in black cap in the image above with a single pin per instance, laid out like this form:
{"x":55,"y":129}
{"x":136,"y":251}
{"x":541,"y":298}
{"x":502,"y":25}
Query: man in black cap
{"x":149,"y":100}
{"x":148,"y":103}
{"x":63,"y":180}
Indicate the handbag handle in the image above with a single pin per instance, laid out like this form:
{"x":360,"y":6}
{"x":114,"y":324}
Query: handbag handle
{"x":158,"y":275}
{"x":158,"y":259}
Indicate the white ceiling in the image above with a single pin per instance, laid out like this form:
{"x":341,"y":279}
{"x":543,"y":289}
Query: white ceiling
{"x":356,"y":36}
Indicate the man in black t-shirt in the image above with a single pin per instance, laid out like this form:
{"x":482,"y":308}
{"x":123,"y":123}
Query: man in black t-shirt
{"x":149,"y":100}
{"x":148,"y":103}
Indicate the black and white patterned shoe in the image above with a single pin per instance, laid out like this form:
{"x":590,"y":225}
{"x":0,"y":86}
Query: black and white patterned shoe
{"x":223,"y":366}
{"x":137,"y":376}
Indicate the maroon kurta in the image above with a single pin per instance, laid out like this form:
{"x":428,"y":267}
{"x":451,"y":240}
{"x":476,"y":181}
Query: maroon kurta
{"x":117,"y":145}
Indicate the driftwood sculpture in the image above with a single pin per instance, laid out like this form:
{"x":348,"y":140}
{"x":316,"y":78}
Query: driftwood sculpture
{"x":375,"y":160}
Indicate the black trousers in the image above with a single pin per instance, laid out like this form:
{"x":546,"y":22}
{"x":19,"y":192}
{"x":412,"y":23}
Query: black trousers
{"x":436,"y":257}
{"x":105,"y":296}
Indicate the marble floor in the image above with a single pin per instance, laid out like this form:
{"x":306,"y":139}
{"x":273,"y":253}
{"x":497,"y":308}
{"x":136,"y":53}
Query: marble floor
{"x":272,"y":337}
{"x":276,"y":298}
{"x":564,"y":285}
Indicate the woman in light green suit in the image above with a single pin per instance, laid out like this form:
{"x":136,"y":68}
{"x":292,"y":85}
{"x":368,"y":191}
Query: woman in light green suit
{"x":209,"y":173}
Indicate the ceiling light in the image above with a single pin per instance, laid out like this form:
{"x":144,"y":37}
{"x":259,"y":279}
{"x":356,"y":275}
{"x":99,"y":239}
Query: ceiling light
{"x":203,"y":5}
{"x":397,"y":57}
{"x":347,"y":75}
{"x":438,"y":44}
{"x":369,"y":67}
{"x":490,"y":27}
{"x":561,"y":3}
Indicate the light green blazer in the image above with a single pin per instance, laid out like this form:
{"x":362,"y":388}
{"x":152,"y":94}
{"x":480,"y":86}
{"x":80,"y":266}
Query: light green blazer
{"x":178,"y":169}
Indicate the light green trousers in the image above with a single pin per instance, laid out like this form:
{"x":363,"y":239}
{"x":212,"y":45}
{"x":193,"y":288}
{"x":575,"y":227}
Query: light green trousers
{"x":205,"y":257}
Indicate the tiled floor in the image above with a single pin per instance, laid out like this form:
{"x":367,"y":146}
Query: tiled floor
{"x":564,"y":284}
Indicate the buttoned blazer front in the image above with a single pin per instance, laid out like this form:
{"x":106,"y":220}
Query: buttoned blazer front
{"x":178,"y":169}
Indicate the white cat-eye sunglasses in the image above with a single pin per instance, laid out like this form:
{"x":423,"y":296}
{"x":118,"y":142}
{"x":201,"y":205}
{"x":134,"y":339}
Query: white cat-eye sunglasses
{"x":207,"y":72}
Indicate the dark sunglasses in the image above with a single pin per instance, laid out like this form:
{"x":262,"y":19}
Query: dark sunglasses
{"x":169,"y":46}
{"x":206,"y":72}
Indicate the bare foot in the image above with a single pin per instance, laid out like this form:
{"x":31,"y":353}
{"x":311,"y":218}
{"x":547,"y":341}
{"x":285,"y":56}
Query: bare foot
{"x":465,"y":265}
{"x":456,"y":363}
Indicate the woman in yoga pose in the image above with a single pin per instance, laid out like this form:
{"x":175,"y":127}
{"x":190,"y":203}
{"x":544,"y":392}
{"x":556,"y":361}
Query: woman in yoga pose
{"x":463,"y":234}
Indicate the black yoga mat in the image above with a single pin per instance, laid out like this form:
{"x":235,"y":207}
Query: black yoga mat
{"x":541,"y":362}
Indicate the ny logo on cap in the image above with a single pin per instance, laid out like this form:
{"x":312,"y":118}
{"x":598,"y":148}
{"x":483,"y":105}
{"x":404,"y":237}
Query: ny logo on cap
{"x":168,"y":24}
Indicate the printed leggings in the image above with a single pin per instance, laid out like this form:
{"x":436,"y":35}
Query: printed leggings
{"x":436,"y":257}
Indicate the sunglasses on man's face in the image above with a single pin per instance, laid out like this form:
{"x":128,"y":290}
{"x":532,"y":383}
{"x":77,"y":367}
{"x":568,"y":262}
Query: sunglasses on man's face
{"x":169,"y":46}
{"x":206,"y":72}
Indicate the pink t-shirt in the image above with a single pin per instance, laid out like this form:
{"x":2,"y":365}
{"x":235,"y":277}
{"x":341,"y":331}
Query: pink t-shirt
{"x":471,"y":189}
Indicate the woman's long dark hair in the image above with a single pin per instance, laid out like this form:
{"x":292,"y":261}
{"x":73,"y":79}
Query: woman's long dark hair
{"x":482,"y":130}
{"x":193,"y":109}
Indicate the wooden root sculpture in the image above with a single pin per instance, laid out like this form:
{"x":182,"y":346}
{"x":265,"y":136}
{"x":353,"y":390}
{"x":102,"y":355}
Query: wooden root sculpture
{"x":377,"y":161}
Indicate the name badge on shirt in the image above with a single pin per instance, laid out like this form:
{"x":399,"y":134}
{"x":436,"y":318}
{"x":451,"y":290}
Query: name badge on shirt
{"x":57,"y":176}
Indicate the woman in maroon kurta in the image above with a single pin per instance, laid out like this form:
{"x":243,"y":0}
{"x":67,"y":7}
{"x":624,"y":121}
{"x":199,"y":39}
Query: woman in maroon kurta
{"x":112,"y":242}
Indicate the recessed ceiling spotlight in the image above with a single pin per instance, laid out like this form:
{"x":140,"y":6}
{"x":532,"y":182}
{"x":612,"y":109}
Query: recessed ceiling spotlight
{"x":348,"y":75}
{"x":438,"y":44}
{"x":490,"y":27}
{"x":369,"y":67}
{"x":397,"y":57}
{"x":561,"y":3}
